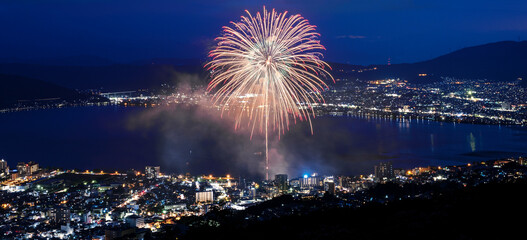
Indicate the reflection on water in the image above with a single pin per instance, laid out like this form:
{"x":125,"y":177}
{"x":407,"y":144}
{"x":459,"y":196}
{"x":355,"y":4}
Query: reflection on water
{"x":99,"y":137}
{"x":472,"y":142}
{"x":432,"y":142}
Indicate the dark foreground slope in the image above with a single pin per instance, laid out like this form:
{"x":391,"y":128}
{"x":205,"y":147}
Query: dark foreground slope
{"x":492,"y":211}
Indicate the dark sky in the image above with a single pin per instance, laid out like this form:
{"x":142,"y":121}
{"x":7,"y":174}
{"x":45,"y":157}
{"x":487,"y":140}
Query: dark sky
{"x":357,"y":32}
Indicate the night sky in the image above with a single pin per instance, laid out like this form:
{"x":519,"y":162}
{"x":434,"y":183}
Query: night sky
{"x":356,"y":32}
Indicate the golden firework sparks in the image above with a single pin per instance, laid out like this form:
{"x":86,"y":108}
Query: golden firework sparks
{"x":267,"y":69}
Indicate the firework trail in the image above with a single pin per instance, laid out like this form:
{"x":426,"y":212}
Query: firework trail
{"x":267,"y":69}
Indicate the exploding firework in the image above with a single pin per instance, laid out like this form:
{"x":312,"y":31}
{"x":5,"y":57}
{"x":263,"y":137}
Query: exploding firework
{"x":267,"y":69}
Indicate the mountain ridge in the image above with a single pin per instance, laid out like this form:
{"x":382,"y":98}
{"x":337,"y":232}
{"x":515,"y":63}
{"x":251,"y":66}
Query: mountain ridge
{"x":16,"y":89}
{"x":499,"y":61}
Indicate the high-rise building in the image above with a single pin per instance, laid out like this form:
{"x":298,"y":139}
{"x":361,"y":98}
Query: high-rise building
{"x":204,"y":197}
{"x":152,"y":171}
{"x":86,"y":217}
{"x":4,"y":168}
{"x":33,"y":167}
{"x":522,"y":161}
{"x":311,"y":181}
{"x":27,"y":168}
{"x":384,"y":171}
{"x":21,"y":168}
{"x":281,"y":182}
{"x":346,"y":182}
{"x":59,"y":215}
{"x":329,"y":187}
{"x":14,"y":175}
{"x":135,"y":221}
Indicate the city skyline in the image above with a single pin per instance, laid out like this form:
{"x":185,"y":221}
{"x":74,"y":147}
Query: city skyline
{"x":101,"y":205}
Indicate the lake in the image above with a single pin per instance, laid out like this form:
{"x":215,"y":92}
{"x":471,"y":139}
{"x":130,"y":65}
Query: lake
{"x":192,"y":139}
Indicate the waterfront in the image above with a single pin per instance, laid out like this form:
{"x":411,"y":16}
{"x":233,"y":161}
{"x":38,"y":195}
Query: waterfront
{"x":186,"y":139}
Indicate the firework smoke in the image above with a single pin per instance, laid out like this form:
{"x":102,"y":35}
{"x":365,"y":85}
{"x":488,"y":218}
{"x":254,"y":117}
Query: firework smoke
{"x":267,"y":69}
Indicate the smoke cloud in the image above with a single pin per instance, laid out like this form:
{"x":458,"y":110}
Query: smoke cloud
{"x":195,"y":138}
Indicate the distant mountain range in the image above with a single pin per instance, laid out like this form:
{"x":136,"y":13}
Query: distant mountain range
{"x":90,"y":60}
{"x":106,"y":78}
{"x":500,"y":61}
{"x":14,"y":89}
{"x":80,"y":60}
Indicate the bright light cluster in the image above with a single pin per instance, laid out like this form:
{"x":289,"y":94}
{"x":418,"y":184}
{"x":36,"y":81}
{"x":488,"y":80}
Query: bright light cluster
{"x":274,"y":59}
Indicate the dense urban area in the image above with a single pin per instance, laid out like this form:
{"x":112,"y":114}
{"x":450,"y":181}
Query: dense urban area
{"x":67,"y":204}
{"x":451,"y":100}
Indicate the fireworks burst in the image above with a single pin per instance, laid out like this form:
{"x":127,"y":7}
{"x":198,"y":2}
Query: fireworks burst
{"x":267,"y":69}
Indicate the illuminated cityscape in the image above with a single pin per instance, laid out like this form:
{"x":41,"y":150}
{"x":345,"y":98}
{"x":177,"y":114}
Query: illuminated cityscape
{"x":53,"y":203}
{"x":451,"y":100}
{"x":296,"y":120}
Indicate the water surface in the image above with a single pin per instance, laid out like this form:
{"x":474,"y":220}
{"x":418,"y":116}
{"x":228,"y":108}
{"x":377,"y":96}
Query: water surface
{"x":191,"y":140}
